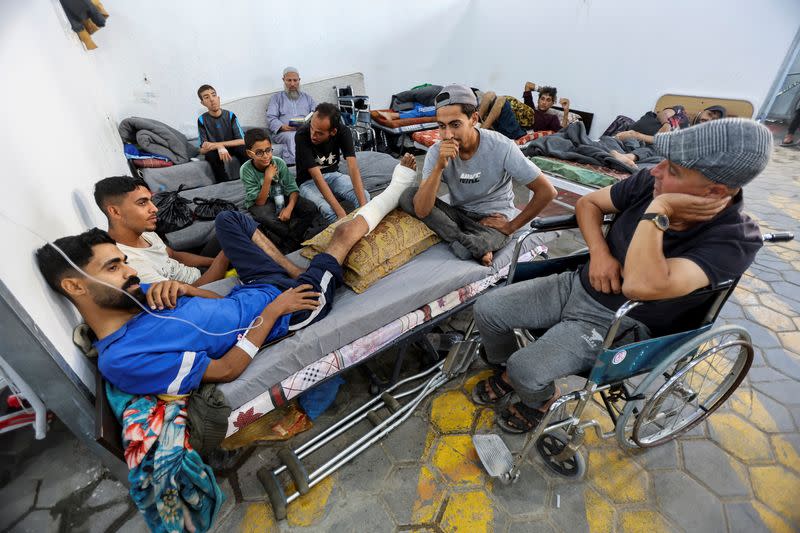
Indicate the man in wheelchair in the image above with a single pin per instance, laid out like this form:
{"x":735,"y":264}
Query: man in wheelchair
{"x":678,"y":227}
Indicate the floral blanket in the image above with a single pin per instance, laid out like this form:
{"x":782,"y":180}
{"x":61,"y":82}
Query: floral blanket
{"x":170,"y":484}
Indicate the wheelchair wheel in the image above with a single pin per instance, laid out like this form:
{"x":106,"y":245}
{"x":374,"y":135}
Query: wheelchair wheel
{"x":686,"y":387}
{"x":550,"y":445}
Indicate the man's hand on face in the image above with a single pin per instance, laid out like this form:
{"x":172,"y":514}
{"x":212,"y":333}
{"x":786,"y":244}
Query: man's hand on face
{"x":497,"y":221}
{"x":165,"y":294}
{"x":680,"y":207}
{"x":224,"y":155}
{"x":448,"y":150}
{"x":302,"y":298}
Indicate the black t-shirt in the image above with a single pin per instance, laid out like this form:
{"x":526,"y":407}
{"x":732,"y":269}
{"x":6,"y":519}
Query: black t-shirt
{"x":648,"y":124}
{"x":219,"y":129}
{"x":326,"y":155}
{"x":723,"y":247}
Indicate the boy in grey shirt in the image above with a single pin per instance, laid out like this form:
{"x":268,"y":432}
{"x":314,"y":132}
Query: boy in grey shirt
{"x":477,"y":165}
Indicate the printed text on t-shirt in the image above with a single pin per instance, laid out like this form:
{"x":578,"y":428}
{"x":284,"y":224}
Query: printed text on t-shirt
{"x":470,"y":178}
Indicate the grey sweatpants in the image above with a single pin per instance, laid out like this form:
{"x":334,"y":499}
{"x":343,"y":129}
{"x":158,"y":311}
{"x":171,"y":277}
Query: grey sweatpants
{"x":576,"y":326}
{"x":455,"y":225}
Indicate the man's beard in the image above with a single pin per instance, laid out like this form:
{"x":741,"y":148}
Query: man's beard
{"x":109,"y":298}
{"x":293,"y":94}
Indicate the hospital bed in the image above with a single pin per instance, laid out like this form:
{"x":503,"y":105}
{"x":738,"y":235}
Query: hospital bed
{"x":394,"y":134}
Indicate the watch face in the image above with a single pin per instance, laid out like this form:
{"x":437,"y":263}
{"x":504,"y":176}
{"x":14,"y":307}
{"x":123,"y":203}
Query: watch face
{"x":662,"y":221}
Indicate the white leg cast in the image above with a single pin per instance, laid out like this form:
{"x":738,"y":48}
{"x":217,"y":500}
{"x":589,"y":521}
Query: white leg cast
{"x":379,"y":207}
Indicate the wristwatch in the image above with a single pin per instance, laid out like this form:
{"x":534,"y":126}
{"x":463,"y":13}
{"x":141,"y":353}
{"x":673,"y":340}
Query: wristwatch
{"x":659,"y":219}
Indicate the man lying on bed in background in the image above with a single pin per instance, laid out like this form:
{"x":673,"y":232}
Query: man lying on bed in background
{"x":143,"y":354}
{"x":540,"y":118}
{"x":639,"y":145}
{"x":478,"y":166}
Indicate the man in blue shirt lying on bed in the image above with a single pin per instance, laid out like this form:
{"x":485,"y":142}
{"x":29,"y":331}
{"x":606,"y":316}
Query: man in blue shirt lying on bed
{"x":478,"y":166}
{"x":191,"y":335}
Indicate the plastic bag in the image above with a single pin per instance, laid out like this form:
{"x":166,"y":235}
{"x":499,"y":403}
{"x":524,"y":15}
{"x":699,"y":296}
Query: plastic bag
{"x":209,"y":208}
{"x":173,"y":211}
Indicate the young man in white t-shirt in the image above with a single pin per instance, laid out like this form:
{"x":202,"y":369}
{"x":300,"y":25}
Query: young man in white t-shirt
{"x":127,"y":203}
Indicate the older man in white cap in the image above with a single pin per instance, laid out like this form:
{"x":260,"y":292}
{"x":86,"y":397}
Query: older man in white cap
{"x":679,"y":227}
{"x":285,"y":108}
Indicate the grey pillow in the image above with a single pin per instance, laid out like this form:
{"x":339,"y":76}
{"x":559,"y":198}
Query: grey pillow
{"x":376,"y":169}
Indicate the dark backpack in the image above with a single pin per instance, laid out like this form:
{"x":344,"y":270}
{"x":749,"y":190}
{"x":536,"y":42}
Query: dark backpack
{"x":173,"y":211}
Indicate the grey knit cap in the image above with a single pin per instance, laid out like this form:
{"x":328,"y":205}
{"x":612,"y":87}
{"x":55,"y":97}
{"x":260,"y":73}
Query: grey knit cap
{"x":287,"y":70}
{"x":730,"y":151}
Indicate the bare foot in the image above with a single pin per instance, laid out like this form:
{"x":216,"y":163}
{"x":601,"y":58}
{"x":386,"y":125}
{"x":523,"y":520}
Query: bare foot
{"x":626,"y":159}
{"x":789,"y":139}
{"x":388,"y":115}
{"x":486,"y":260}
{"x":409,"y":161}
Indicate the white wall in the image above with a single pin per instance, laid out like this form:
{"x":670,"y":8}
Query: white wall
{"x":609,"y":57}
{"x":617,"y":57}
{"x":156,"y":54}
{"x":62,"y":103}
{"x":58,"y":140}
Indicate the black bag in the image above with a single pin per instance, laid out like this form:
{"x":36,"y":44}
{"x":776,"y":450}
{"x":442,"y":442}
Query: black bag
{"x":209,"y":208}
{"x":173,"y":211}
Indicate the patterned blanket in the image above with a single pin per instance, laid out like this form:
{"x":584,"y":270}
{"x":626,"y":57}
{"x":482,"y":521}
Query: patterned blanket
{"x":170,"y":484}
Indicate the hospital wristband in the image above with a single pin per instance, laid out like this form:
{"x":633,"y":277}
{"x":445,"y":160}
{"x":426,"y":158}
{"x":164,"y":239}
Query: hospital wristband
{"x":247,"y":347}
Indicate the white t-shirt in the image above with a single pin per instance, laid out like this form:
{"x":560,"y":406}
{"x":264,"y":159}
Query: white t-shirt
{"x":154,"y":264}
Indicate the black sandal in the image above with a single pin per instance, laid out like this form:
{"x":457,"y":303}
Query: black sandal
{"x":524,"y":420}
{"x":500,"y":388}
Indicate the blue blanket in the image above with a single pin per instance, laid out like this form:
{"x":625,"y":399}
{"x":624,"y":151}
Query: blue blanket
{"x":169,"y":481}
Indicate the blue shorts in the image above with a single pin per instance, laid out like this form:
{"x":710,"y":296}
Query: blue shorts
{"x":235,"y":234}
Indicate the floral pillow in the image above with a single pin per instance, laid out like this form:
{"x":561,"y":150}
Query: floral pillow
{"x":395,"y":241}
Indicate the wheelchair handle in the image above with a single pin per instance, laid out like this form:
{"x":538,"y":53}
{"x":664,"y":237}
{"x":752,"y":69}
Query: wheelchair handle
{"x":778,"y":236}
{"x":560,"y":222}
{"x":555,"y":223}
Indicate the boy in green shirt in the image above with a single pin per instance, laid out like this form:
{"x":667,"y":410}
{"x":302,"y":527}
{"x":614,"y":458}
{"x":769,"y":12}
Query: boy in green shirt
{"x":272,"y":196}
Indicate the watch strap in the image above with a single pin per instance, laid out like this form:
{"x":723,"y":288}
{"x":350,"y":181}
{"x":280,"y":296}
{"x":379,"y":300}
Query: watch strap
{"x":654,"y":217}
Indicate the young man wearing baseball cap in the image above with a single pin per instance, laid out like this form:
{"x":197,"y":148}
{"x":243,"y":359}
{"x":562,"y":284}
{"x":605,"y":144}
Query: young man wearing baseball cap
{"x":478,"y":166}
{"x":679,"y":227}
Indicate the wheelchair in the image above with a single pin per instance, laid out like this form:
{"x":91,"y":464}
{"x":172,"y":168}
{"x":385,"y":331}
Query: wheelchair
{"x":652,"y":390}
